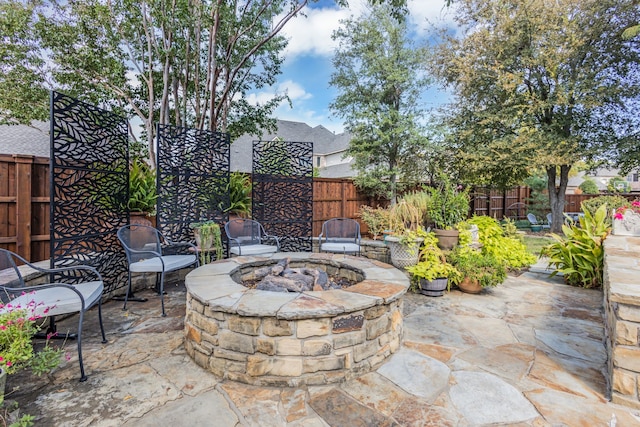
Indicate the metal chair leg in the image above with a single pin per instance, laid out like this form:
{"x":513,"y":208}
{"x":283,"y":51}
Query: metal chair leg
{"x":83,"y":376}
{"x":162,"y":293}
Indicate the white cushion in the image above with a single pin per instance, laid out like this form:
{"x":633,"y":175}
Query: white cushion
{"x":340,"y":247}
{"x":154,"y":265}
{"x":60,"y":300}
{"x":253,"y":249}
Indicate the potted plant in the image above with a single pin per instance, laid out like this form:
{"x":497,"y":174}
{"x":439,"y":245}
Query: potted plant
{"x":239,"y":195}
{"x":432,"y":274}
{"x":477,"y":270}
{"x":142,"y":192}
{"x":626,"y":219}
{"x":449,"y":204}
{"x":404,"y":243}
{"x":208,"y":238}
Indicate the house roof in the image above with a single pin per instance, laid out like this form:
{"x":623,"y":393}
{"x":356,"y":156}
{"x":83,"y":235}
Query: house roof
{"x":342,"y":170}
{"x":324,"y":142}
{"x":34,"y":140}
{"x":28,"y":140}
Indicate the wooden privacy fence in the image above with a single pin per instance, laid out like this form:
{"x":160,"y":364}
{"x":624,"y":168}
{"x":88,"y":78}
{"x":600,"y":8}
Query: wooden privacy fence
{"x":24,"y":205}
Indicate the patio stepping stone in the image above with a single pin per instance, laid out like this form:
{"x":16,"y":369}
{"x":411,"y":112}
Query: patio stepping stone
{"x":483,"y":398}
{"x":337,"y":408}
{"x":417,"y":374}
{"x":199,"y":409}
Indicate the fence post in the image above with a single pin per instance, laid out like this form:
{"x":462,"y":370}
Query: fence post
{"x":23,"y":205}
{"x":343,"y":197}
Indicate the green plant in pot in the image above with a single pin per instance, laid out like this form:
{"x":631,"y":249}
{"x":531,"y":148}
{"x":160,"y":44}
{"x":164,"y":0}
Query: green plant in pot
{"x":477,"y":270}
{"x":142,"y":188}
{"x":208,"y":238}
{"x":432,"y":274}
{"x":239,"y":194}
{"x":449,"y":204}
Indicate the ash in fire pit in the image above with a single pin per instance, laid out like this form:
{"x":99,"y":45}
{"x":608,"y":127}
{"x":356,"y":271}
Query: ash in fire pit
{"x":281,"y":278}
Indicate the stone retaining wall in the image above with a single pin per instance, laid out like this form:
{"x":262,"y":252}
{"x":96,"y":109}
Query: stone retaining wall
{"x":622,"y":318}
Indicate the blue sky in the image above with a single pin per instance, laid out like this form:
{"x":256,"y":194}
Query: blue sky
{"x":307,"y":68}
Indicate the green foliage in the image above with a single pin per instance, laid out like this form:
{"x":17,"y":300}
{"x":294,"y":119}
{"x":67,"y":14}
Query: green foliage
{"x":531,"y":92}
{"x":433,"y":263}
{"x":240,"y":187}
{"x":618,"y":185}
{"x":589,"y":186}
{"x":377,"y":219}
{"x":510,"y":228}
{"x":379,"y":78}
{"x":477,"y":266}
{"x":208,"y":234}
{"x":508,"y":250}
{"x":448,"y":204}
{"x":579,"y":256}
{"x":612,"y":203}
{"x":142,"y":188}
{"x":18,"y":325}
{"x":538,"y":201}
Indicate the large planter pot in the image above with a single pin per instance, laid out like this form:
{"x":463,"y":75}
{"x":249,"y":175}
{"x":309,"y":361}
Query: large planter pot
{"x":470,"y":286}
{"x":433,"y":288}
{"x":629,"y":225}
{"x":536,"y":228}
{"x":141,"y":236}
{"x":447,"y":239}
{"x":403,"y":255}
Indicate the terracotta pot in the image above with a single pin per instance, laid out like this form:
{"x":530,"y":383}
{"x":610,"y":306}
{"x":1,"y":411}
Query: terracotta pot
{"x":470,"y":286}
{"x":139,"y":237}
{"x":447,"y":239}
{"x":433,"y":288}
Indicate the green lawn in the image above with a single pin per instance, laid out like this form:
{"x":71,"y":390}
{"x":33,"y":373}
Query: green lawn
{"x":535,"y":243}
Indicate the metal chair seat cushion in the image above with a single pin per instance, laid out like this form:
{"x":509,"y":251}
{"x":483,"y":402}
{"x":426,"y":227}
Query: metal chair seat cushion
{"x":339,"y":247}
{"x":154,"y":265}
{"x":60,"y":299}
{"x":253,"y":249}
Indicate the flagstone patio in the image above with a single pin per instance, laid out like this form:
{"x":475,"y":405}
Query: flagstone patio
{"x":527,"y":353}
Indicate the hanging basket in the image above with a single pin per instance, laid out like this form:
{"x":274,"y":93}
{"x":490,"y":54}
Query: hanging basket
{"x":403,"y":255}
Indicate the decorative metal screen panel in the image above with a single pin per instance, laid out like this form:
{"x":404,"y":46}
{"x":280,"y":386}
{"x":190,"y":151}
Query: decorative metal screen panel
{"x":89,"y":188}
{"x":282,"y":195}
{"x":193,"y":179}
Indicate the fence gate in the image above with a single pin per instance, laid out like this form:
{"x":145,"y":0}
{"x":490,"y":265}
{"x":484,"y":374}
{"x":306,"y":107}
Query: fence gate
{"x":282,"y":198}
{"x":89,"y":188}
{"x":193,"y":179}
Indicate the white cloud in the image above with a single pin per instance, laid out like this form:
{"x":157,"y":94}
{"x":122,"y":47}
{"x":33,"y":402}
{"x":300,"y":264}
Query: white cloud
{"x":295,"y":91}
{"x":311,"y":34}
{"x":432,"y":11}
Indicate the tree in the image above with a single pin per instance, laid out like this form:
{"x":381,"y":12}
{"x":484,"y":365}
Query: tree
{"x":170,"y":62}
{"x":540,"y":84}
{"x":379,"y":80}
{"x":589,"y":186}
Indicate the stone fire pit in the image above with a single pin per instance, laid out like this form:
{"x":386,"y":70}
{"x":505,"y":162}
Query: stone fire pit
{"x":289,"y":338}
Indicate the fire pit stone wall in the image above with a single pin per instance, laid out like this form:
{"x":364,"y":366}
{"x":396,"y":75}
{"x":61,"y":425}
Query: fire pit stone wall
{"x":292,"y":339}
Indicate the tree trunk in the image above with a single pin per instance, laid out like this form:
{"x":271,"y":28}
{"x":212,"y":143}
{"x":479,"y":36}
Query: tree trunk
{"x":557,"y":195}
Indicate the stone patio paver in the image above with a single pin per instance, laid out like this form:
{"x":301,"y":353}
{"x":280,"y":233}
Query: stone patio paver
{"x":527,"y":353}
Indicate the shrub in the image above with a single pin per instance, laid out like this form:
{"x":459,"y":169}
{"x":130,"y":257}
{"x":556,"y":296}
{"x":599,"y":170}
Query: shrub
{"x":589,"y":186}
{"x":477,"y":266}
{"x":580,"y":255}
{"x":612,"y":202}
{"x":509,"y":250}
{"x":377,"y":219}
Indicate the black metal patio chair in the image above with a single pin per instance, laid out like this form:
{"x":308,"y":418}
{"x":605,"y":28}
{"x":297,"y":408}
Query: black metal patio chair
{"x":340,"y":235}
{"x":83,"y":291}
{"x":147,"y":249}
